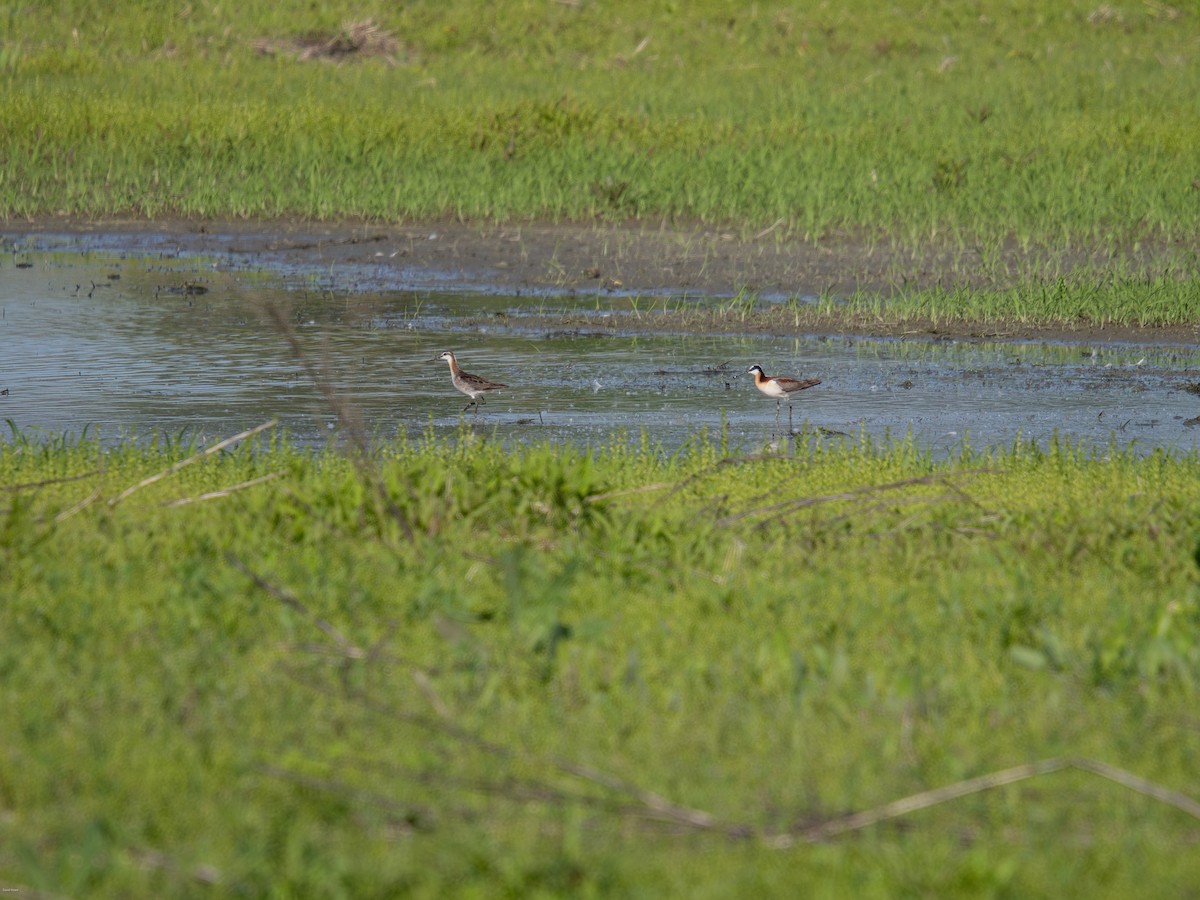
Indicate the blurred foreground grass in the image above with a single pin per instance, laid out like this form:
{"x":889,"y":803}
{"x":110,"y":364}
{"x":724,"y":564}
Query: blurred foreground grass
{"x":466,"y":669}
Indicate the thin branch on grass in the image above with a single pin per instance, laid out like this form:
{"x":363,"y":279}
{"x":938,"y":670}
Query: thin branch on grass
{"x":722,"y":463}
{"x":203,"y":454}
{"x":653,"y":805}
{"x":348,"y":648}
{"x":785,"y":507}
{"x":958,"y":789}
{"x":512,"y":788}
{"x":950,"y":485}
{"x":908,"y":522}
{"x":418,"y":818}
{"x":648,"y":801}
{"x":762,"y":234}
{"x":347,"y":415}
{"x":318,"y":649}
{"x":879,"y":506}
{"x":158,"y":860}
{"x":1141,"y":785}
{"x":701,"y":820}
{"x":923,"y":800}
{"x":425,"y":683}
{"x":32,"y":485}
{"x":775,"y":511}
{"x":647,"y":804}
{"x":224,"y":492}
{"x":650,"y":804}
{"x":82,"y":504}
{"x":640,"y":802}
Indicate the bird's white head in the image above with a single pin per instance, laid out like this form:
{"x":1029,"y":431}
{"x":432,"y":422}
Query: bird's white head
{"x":755,"y":368}
{"x":444,"y":356}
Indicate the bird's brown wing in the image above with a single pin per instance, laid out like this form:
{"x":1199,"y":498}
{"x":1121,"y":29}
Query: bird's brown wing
{"x":480,"y":384}
{"x":792,"y":385}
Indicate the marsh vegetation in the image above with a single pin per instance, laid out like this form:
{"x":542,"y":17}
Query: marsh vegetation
{"x":1032,"y":122}
{"x":450,"y":665}
{"x":460,"y":667}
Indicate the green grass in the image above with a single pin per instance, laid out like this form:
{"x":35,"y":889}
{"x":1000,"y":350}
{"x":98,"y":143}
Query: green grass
{"x":437,"y":674}
{"x":394,"y":679}
{"x":1056,"y":124}
{"x":1132,"y":302}
{"x":1081,"y":299}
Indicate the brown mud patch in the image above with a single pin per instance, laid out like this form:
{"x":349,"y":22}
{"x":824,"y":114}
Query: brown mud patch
{"x":355,"y":40}
{"x":639,"y":258}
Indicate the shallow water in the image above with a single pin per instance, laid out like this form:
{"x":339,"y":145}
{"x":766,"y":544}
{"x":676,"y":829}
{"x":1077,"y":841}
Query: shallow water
{"x":121,"y":343}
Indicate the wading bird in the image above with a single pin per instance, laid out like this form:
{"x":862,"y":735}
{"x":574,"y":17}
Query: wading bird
{"x":781,"y":388}
{"x":471,"y":385}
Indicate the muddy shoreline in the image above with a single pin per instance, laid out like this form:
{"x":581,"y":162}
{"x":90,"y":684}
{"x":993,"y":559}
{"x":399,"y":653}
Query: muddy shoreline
{"x":633,"y":257}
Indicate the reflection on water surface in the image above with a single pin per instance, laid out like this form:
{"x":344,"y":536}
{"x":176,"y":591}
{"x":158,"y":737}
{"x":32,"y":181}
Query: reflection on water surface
{"x":125,"y":344}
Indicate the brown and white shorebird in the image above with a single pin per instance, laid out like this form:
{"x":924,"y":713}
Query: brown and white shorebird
{"x":781,"y":387}
{"x":471,"y":385}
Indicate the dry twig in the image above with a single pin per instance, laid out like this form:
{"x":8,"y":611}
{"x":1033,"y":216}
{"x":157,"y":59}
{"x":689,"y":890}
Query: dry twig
{"x":650,"y":804}
{"x":31,"y":485}
{"x":347,"y":647}
{"x":82,"y":504}
{"x":347,"y":416}
{"x":946,"y":793}
{"x":775,"y":511}
{"x":203,"y":454}
{"x":224,"y":492}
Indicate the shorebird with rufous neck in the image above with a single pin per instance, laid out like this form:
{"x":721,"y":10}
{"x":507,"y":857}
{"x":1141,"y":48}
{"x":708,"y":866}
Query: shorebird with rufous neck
{"x":781,"y":387}
{"x":471,"y":385}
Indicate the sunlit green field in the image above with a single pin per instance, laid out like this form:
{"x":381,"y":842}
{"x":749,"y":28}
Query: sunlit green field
{"x":460,"y":669}
{"x":1056,"y":123}
{"x":1059,"y":129}
{"x":1130,"y":301}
